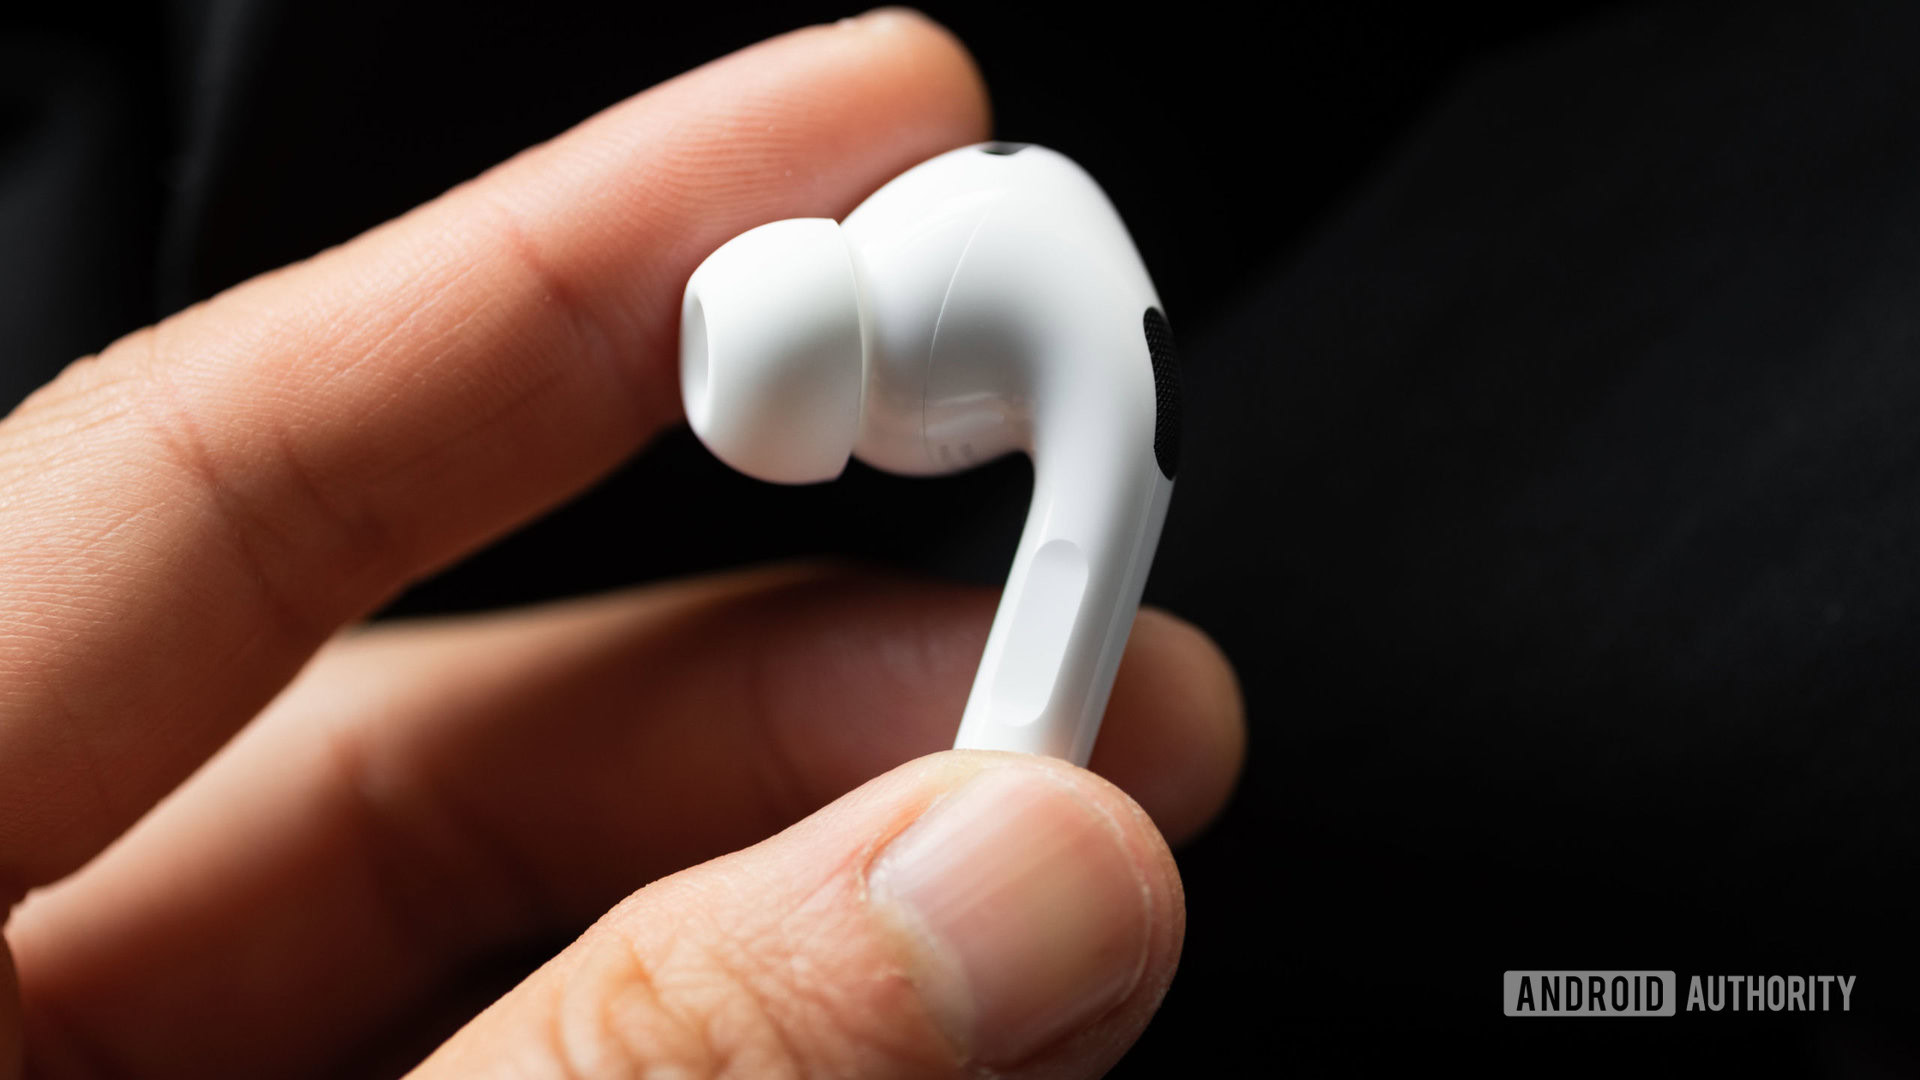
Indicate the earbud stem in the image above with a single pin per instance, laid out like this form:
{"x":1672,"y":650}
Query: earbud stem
{"x":1068,"y":607}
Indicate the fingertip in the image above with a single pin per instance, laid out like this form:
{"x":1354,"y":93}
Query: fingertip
{"x":969,"y":911}
{"x":939,"y":53}
{"x":1040,"y":908}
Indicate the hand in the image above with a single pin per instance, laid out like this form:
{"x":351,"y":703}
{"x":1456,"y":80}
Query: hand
{"x":187,"y":520}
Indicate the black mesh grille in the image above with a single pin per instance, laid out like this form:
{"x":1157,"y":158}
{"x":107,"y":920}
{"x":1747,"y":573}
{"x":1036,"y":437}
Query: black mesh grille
{"x":1166,"y":393}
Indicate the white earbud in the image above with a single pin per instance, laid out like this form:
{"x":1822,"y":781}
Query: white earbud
{"x":986,"y":301}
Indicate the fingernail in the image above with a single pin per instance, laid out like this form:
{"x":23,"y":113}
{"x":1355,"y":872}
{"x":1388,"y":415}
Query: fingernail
{"x":1028,"y":915}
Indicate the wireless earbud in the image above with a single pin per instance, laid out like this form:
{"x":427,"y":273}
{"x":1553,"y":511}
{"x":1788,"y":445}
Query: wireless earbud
{"x":986,"y":301}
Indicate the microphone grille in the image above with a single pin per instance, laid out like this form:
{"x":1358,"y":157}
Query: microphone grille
{"x":1166,"y":392}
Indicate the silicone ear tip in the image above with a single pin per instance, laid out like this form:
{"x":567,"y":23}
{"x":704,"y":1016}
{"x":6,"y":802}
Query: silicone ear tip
{"x":772,"y":353}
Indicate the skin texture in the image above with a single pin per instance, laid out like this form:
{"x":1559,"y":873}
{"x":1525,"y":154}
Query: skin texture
{"x":190,"y":518}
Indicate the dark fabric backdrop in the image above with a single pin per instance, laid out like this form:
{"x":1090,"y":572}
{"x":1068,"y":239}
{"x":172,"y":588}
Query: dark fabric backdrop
{"x":1553,"y":473}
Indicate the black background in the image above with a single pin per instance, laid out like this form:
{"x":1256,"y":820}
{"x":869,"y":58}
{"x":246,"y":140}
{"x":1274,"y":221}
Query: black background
{"x":1552,"y":472}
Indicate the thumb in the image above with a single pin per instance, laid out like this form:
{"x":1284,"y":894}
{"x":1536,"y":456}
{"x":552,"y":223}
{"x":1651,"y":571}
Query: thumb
{"x":966,"y":911}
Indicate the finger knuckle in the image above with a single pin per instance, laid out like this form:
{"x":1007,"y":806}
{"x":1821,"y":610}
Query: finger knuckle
{"x":711,"y":1001}
{"x":676,"y":1014}
{"x":601,"y":338}
{"x":301,"y":537}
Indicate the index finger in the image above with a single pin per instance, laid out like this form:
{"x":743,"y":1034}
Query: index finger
{"x":186,"y":517}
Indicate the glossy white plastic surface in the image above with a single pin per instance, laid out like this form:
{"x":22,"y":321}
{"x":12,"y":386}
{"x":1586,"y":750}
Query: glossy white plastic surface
{"x":998,"y":302}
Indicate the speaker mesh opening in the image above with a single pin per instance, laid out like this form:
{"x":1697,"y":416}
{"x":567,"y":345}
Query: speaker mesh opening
{"x":1166,"y":393}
